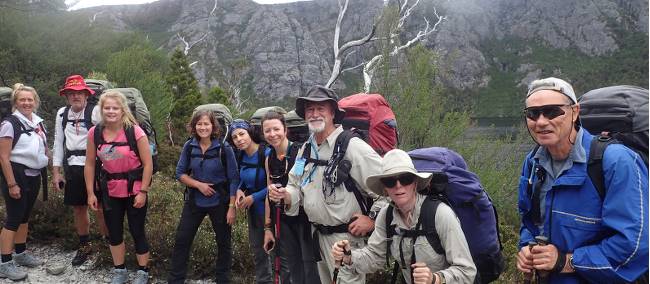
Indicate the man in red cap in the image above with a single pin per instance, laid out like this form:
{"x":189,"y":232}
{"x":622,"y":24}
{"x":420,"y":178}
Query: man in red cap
{"x":71,"y":130}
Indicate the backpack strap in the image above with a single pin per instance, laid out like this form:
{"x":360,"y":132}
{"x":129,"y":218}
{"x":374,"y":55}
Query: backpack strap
{"x":130,"y":140}
{"x":427,"y":221}
{"x":595,"y":162}
{"x":19,"y":129}
{"x":425,"y":226}
{"x":65,"y":120}
{"x":340,"y":148}
{"x":294,"y":148}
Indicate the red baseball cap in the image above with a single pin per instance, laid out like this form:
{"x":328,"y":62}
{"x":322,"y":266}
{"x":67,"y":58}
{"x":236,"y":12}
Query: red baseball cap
{"x":76,"y":83}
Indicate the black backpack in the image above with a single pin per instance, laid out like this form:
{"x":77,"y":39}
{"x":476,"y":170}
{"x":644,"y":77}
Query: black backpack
{"x":102,"y":176}
{"x":622,"y":111}
{"x":88,"y":123}
{"x":337,"y":169}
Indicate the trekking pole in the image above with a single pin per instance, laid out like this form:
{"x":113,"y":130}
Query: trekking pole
{"x":337,"y":268}
{"x":530,"y":277}
{"x":542,"y":276}
{"x":278,"y":208}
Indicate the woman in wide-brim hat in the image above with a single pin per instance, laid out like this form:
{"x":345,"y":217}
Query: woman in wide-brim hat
{"x":402,"y":183}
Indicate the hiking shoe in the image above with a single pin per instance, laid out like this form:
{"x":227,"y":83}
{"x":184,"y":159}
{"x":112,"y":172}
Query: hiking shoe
{"x":119,"y":276}
{"x":82,"y":255}
{"x":141,"y":277}
{"x":26,"y":259}
{"x":11,"y":271}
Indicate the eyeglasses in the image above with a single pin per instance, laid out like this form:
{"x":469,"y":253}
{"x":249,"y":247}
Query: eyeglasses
{"x":549,"y":111}
{"x":403,"y":180}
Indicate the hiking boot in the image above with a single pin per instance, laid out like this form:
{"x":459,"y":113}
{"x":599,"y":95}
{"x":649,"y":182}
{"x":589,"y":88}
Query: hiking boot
{"x":120,"y":275}
{"x":11,"y":271}
{"x":82,"y":255}
{"x":26,"y":259}
{"x":141,"y":277}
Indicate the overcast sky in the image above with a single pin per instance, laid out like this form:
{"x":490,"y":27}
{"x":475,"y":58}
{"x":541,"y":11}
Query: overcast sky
{"x":91,"y":3}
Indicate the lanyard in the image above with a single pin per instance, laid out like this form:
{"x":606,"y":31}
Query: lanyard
{"x":314,"y":151}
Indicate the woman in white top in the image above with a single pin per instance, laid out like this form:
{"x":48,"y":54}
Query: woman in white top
{"x":23,"y":154}
{"x":419,"y":261}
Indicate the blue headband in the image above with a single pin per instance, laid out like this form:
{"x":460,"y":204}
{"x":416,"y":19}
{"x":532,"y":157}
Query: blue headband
{"x":239,"y":124}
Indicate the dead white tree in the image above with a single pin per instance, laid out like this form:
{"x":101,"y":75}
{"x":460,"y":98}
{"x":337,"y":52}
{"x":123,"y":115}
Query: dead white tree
{"x":188,"y":45}
{"x":233,"y":76}
{"x":405,"y":10}
{"x":339,"y":50}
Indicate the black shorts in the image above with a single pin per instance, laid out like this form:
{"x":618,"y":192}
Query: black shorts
{"x":19,"y":210}
{"x":75,"y":187}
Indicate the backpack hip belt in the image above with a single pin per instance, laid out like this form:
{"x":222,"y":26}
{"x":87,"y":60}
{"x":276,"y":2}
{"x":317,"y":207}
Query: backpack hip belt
{"x":131,"y":176}
{"x":325,"y":230}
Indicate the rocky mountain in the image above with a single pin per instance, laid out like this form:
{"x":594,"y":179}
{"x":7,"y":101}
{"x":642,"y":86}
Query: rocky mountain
{"x":278,"y":51}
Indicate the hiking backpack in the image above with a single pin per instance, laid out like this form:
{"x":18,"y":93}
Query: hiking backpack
{"x":297,"y":129}
{"x":222,"y":114}
{"x":143,"y":117}
{"x":5,"y":101}
{"x":256,"y":118}
{"x":620,"y":110}
{"x":453,"y":184}
{"x":99,"y":87}
{"x":371,"y":114}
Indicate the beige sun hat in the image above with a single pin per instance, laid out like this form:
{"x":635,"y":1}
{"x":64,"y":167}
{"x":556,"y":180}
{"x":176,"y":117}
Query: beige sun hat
{"x":396,"y":162}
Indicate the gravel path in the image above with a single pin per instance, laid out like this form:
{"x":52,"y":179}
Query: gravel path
{"x":55,"y":257}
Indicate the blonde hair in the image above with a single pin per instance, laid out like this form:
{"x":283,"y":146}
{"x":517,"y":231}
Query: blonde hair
{"x":19,"y":87}
{"x":128,"y":120}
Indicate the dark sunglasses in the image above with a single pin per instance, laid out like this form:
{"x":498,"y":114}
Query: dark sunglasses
{"x":549,"y":111}
{"x":403,"y":180}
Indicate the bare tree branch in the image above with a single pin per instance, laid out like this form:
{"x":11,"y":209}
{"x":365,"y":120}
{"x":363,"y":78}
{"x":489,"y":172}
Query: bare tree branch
{"x":371,"y":65}
{"x":340,"y":50}
{"x":353,"y":67}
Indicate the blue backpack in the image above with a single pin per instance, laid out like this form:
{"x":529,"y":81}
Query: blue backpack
{"x":461,"y":189}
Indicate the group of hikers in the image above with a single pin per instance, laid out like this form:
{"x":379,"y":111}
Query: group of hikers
{"x":330,"y":209}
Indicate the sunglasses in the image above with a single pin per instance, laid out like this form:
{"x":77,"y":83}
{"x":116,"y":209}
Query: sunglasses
{"x":549,"y":111}
{"x":403,"y":180}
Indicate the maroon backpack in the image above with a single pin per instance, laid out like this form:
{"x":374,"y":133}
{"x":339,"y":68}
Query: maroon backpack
{"x":371,"y":114}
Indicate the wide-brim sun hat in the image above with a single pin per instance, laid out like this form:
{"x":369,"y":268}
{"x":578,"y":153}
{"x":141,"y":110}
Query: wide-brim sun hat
{"x":395,"y":163}
{"x":320,"y":94}
{"x":75,"y":83}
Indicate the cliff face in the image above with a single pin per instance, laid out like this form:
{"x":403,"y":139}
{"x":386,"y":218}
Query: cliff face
{"x":280,"y":50}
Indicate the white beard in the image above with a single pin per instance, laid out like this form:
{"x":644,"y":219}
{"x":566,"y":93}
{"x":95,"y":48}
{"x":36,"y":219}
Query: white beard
{"x":316,"y":126}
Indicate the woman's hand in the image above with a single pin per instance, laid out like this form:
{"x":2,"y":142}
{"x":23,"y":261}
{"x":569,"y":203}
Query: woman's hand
{"x":205,"y":188}
{"x":92,"y":202}
{"x":242,"y":201}
{"x":247,"y":202}
{"x":231,"y":216}
{"x":239,"y":195}
{"x":269,"y":241}
{"x":14,"y":191}
{"x":140,"y":199}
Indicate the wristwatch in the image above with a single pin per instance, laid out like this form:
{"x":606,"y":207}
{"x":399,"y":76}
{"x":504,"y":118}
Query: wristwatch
{"x":441,"y":277}
{"x":372,"y":215}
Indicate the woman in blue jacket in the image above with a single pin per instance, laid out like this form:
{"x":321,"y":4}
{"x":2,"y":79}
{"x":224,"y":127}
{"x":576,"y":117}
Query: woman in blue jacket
{"x":207,"y":167}
{"x":252,"y":192}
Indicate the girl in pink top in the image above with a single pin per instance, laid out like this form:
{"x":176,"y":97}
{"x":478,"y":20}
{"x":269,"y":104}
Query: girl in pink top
{"x":119,"y":195}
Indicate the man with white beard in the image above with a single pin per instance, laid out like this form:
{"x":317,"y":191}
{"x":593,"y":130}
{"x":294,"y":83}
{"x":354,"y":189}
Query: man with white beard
{"x":332,"y":207}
